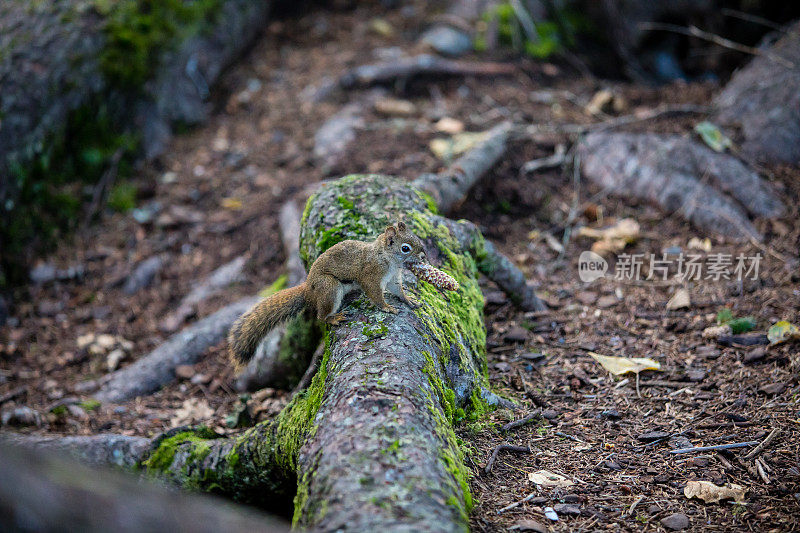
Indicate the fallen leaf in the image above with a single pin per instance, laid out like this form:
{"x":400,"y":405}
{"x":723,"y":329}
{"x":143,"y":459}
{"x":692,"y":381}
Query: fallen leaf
{"x":711,"y":493}
{"x":234,"y":204}
{"x":712,"y":136}
{"x":698,"y":244}
{"x":449,"y":125}
{"x":626,"y":229}
{"x":545,"y":478}
{"x":782,"y":331}
{"x":623,"y":365}
{"x":679,"y":300}
{"x":456,"y":145}
{"x":193,"y":410}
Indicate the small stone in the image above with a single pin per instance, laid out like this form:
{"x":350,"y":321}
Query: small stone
{"x":571,"y":498}
{"x":77,"y":411}
{"x":394,"y":107}
{"x":447,"y":41}
{"x":607,"y":301}
{"x":516,"y":334}
{"x":550,"y":514}
{"x":586,"y":297}
{"x":610,"y":414}
{"x":502,"y":367}
{"x":549,"y":414}
{"x":43,"y":273}
{"x":755,"y":355}
{"x":651,"y":436}
{"x":449,"y":125}
{"x":772,"y":389}
{"x":696,"y":375}
{"x":184,"y":371}
{"x":680,"y":442}
{"x":653,"y":509}
{"x":567,"y":509}
{"x":200,"y":379}
{"x":675,"y":522}
{"x":709,"y":352}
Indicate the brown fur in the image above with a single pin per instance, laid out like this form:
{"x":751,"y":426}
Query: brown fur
{"x":374,"y":266}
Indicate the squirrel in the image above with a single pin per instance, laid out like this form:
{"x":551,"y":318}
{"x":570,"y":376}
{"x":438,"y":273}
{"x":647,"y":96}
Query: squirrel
{"x":374,"y":266}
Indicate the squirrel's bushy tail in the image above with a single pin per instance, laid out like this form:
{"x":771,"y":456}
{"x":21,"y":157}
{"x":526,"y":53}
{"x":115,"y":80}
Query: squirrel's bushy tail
{"x":251,"y":327}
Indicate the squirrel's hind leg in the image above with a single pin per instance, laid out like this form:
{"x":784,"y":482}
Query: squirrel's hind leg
{"x":330,"y":292}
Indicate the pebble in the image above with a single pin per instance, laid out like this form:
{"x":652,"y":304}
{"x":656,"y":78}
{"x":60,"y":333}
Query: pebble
{"x":447,"y":41}
{"x":502,"y":367}
{"x":696,"y":375}
{"x":567,"y":509}
{"x":772,"y":389}
{"x":755,"y":355}
{"x":550,"y":514}
{"x":516,"y":334}
{"x":184,"y":371}
{"x":675,"y":522}
{"x":549,"y":414}
{"x":610,"y":414}
{"x":651,"y":436}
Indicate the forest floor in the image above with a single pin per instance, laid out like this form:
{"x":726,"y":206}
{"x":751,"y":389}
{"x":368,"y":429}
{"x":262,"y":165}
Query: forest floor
{"x":215,"y":197}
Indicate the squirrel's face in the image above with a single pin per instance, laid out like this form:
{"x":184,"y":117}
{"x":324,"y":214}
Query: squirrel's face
{"x":404,"y":245}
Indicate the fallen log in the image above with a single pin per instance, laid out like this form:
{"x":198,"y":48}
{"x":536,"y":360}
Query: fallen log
{"x":155,"y":369}
{"x":369,"y":445}
{"x":42,"y":492}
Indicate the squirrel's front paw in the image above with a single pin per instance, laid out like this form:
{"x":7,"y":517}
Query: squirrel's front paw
{"x":389,"y":309}
{"x":412,"y":303}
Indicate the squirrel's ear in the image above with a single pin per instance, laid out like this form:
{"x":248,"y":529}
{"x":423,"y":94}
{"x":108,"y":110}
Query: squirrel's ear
{"x":390,"y":233}
{"x":401,"y":226}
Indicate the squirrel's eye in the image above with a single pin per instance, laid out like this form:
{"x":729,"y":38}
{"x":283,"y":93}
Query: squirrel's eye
{"x":405,"y":249}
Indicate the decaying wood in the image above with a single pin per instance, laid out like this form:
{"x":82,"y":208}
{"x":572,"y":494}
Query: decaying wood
{"x":402,"y":70}
{"x":281,"y":359}
{"x":41,"y":492}
{"x":155,"y":369}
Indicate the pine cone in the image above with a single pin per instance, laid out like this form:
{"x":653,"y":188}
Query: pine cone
{"x":434,"y":276}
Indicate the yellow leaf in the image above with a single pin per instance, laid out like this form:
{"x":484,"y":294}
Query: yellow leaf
{"x":233,"y":204}
{"x":456,"y":145}
{"x":623,"y":365}
{"x":782,"y":331}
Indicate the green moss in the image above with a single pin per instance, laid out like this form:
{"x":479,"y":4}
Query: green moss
{"x":122,"y":197}
{"x":346,"y":203}
{"x":138,"y":32}
{"x":90,"y":404}
{"x":374,"y":331}
{"x":277,"y":285}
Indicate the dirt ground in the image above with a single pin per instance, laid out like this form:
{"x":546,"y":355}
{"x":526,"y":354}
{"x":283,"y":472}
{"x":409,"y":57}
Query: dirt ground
{"x":220,"y":186}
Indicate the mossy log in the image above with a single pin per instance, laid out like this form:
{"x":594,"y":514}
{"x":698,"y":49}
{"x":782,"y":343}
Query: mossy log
{"x":369,"y":445}
{"x":43,"y":493}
